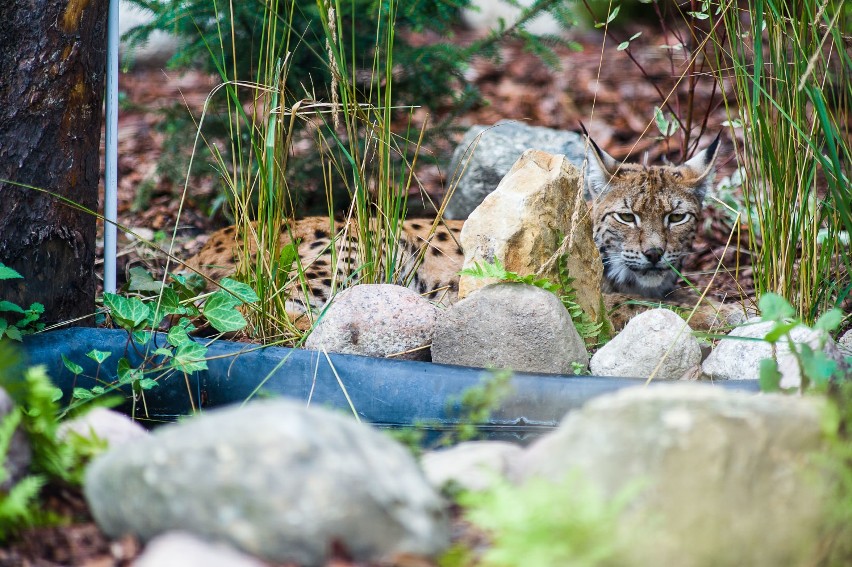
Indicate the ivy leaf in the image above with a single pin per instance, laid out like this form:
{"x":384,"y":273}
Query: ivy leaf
{"x":240,"y":289}
{"x":220,"y":310}
{"x":170,"y":302}
{"x":128,"y":312}
{"x":73,"y":367}
{"x":82,"y":394}
{"x":14,"y":333}
{"x":699,"y":15}
{"x":147,"y":383}
{"x":770,"y":378}
{"x":189,"y":357}
{"x":141,"y":280}
{"x":7,"y":273}
{"x":187,"y":287}
{"x":98,"y":356}
{"x":9,"y":306}
{"x":126,"y":373}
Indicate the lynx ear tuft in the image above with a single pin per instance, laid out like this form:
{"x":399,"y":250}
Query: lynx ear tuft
{"x":600,"y":168}
{"x":701,"y":168}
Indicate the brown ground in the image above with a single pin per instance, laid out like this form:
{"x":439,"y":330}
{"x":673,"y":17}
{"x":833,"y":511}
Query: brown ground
{"x":522,"y":88}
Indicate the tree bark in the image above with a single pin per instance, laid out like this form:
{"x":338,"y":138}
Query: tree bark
{"x":52,"y":71}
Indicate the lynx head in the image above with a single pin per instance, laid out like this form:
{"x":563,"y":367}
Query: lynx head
{"x":645,"y":217}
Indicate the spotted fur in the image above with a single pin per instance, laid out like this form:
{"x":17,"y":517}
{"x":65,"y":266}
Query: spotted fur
{"x":436,"y":249}
{"x":644,"y":221}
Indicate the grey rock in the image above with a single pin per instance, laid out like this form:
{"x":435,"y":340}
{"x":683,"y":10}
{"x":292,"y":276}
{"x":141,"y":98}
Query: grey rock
{"x":535,"y":216}
{"x":472,"y":466}
{"x":111,"y":426}
{"x":509,"y":325}
{"x":19,"y":455}
{"x":655,"y":338}
{"x":180,"y":549}
{"x":498,"y":148}
{"x":844,"y":343}
{"x":274,"y":479}
{"x":735,"y":358}
{"x":719,"y":478}
{"x":379,"y":320}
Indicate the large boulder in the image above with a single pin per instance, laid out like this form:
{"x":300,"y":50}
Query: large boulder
{"x":657,"y":342}
{"x":738,"y":356}
{"x":716,"y":477}
{"x":510,"y":325}
{"x":535,"y":215}
{"x":487,"y":153}
{"x":377,"y":320}
{"x":275,"y":479}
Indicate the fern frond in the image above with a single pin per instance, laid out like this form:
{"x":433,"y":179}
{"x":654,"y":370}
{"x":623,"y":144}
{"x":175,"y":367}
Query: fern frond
{"x":17,"y":508}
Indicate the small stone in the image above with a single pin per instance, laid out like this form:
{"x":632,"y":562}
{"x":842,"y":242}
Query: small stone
{"x":844,"y":343}
{"x":649,"y":339}
{"x":472,"y":466}
{"x":379,"y":320}
{"x":179,"y":549}
{"x":274,"y":479}
{"x":111,"y":426}
{"x":496,"y":151}
{"x":510,"y":325}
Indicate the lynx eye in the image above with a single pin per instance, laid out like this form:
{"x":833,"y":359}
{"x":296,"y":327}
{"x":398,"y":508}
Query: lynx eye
{"x":626,"y":218}
{"x":677,"y":218}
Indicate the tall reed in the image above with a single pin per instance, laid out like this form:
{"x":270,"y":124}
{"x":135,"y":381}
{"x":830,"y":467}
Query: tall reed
{"x":789,"y":70}
{"x":351,"y":120}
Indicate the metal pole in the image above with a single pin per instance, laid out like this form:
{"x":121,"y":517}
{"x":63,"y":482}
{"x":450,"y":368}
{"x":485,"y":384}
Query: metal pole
{"x":111,"y":147}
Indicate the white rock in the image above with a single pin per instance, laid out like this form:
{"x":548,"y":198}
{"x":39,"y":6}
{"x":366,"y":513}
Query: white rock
{"x":377,"y":320}
{"x":179,"y":549}
{"x":111,"y":426}
{"x":735,"y":358}
{"x":473,"y":465}
{"x":844,"y":343}
{"x":159,"y":48}
{"x":658,"y":337}
{"x":719,"y":477}
{"x":485,"y":15}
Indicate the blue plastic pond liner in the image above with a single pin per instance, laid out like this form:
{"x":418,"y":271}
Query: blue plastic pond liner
{"x":384,"y":392}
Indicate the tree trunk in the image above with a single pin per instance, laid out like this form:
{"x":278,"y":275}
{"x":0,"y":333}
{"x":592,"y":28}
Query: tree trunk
{"x":52,"y":66}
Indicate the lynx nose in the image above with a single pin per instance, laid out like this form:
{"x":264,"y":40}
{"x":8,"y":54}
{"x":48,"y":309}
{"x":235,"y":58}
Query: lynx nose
{"x":653,"y":255}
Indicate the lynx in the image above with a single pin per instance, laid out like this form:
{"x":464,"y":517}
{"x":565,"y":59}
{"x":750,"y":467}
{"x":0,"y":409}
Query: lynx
{"x":644,"y":221}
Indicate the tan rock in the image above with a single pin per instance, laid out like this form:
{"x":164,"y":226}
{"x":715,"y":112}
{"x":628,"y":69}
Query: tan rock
{"x":536,"y":209}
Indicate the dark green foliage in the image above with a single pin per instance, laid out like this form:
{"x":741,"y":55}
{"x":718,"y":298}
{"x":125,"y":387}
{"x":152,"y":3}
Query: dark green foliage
{"x":232,"y":41}
{"x":56,"y":459}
